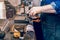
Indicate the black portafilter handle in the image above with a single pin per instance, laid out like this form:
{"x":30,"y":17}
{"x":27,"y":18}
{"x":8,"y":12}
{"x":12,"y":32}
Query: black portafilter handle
{"x":33,"y":17}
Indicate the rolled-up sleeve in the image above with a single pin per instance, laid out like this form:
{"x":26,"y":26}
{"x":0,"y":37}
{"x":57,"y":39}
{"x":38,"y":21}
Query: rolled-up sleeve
{"x":56,"y":6}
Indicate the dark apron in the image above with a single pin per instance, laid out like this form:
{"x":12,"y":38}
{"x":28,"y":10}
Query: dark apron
{"x":38,"y":31}
{"x":51,"y":26}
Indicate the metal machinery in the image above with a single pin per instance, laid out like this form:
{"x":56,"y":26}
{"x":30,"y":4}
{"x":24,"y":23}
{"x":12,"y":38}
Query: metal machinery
{"x":10,"y":10}
{"x":21,"y":21}
{"x":4,"y":28}
{"x":5,"y":23}
{"x":21,"y":26}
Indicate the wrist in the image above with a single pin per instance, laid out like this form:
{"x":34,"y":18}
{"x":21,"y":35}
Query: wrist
{"x":39,"y":10}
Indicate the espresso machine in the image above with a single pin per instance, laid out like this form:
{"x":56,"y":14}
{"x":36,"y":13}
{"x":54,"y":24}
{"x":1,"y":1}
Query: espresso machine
{"x":21,"y":26}
{"x":23,"y":20}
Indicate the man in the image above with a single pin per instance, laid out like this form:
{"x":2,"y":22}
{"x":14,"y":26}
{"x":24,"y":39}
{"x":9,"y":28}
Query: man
{"x":50,"y":19}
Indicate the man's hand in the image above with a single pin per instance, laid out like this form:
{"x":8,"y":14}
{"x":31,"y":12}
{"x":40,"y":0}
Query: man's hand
{"x":33,"y":11}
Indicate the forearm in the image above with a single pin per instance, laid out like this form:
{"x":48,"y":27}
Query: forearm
{"x":47,"y":9}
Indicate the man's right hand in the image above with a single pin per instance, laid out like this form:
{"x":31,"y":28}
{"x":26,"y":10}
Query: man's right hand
{"x":34,"y":10}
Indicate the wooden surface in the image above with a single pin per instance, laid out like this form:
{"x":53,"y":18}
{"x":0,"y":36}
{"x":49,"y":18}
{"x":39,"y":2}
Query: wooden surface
{"x":19,"y":18}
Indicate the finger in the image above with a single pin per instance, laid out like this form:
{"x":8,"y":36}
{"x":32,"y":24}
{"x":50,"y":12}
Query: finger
{"x":28,"y":12}
{"x":36,"y":20}
{"x":34,"y":13}
{"x":31,"y":13}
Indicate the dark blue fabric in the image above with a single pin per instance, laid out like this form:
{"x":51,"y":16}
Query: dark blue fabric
{"x":51,"y":22}
{"x":56,"y":6}
{"x":49,"y":27}
{"x":38,"y":31}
